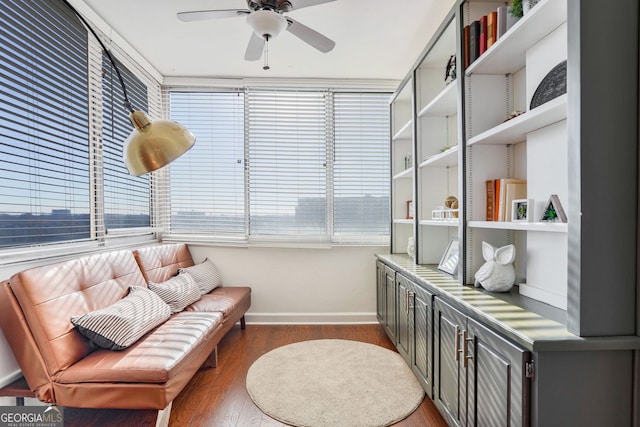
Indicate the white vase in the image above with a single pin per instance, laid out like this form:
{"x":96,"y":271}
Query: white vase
{"x":411,"y":250}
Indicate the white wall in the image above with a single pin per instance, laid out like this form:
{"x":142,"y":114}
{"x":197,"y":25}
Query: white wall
{"x":333,"y":285}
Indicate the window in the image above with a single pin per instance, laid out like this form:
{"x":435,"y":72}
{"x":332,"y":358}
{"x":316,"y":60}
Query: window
{"x":207,"y":194}
{"x":126,"y":197}
{"x":62,"y":124}
{"x":287,"y":138}
{"x":317,"y":166}
{"x":361,"y":167}
{"x":44,"y":180}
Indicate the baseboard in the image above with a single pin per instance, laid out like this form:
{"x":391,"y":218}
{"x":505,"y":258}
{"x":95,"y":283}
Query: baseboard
{"x":311,"y":318}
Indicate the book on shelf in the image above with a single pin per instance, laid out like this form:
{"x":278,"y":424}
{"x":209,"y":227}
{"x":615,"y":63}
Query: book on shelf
{"x":505,"y":20}
{"x":465,"y":41}
{"x":492,"y":28}
{"x":482,"y":44}
{"x":491,"y":199}
{"x":474,"y":40}
{"x":513,"y":191}
{"x":500,"y":195}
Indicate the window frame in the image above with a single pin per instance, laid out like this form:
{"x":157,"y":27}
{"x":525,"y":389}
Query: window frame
{"x":323,"y":241}
{"x":98,"y":238}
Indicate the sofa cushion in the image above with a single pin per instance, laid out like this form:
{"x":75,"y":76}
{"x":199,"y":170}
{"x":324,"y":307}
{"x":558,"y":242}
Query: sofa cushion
{"x":225,"y":300}
{"x":161,"y":262}
{"x":121,"y":324}
{"x":205,"y":274}
{"x":178,"y":292}
{"x":158,"y":357}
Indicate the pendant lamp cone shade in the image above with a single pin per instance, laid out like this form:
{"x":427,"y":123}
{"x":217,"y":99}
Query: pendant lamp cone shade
{"x":153,"y":145}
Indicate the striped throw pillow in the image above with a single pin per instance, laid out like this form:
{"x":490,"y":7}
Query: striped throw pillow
{"x":123,"y":323}
{"x":205,"y":274}
{"x":178,"y":292}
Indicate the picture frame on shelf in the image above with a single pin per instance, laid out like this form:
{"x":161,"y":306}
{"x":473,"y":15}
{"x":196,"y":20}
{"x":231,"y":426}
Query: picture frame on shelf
{"x":449,"y":261}
{"x":522,"y":210}
{"x":553,"y":210}
{"x":450,"y":70}
{"x":410,"y":209}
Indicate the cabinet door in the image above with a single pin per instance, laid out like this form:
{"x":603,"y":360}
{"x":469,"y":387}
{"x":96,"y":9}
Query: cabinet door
{"x":381,"y":297}
{"x":403,"y":337}
{"x":422,"y":328}
{"x":450,"y":379}
{"x":498,"y":390}
{"x":390,"y":306}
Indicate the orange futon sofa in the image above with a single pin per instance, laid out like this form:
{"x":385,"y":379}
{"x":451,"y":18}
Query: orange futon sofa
{"x":62,"y":366}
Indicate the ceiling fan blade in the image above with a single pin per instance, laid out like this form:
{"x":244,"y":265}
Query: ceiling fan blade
{"x":299,"y":4}
{"x":255,"y":48}
{"x":312,"y":37}
{"x":201,"y":15}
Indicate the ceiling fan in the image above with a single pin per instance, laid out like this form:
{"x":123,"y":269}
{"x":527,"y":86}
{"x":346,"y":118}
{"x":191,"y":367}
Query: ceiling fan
{"x":266,"y":18}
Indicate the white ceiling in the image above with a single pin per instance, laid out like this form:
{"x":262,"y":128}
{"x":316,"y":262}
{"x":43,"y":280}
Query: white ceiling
{"x":375,"y":39}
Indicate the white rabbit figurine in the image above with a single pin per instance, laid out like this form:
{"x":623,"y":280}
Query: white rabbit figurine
{"x":497,"y":274}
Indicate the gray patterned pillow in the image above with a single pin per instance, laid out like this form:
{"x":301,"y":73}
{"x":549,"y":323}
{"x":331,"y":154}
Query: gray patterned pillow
{"x":123,"y":323}
{"x":205,"y":274}
{"x":178,"y":292}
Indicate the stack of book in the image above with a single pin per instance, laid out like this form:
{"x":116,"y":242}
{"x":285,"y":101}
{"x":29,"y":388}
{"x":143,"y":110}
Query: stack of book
{"x":500,"y":196}
{"x":480,"y":35}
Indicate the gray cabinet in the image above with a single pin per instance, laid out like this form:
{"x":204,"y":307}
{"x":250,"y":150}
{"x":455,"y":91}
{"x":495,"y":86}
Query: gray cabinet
{"x":498,"y":387}
{"x":450,"y":375}
{"x":390,"y":303}
{"x":381,"y":296}
{"x":480,"y":377}
{"x":414,"y":324}
{"x":421,"y":333}
{"x":404,"y":298}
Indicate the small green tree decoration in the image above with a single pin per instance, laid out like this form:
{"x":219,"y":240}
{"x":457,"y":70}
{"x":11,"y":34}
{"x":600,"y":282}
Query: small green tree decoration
{"x":516,"y":8}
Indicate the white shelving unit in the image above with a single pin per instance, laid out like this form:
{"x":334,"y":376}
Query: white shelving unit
{"x":531,"y":146}
{"x":437,"y":144}
{"x":403,"y":166}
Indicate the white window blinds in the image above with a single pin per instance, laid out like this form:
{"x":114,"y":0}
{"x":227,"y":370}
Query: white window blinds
{"x":317,"y":167}
{"x":44,"y":179}
{"x":361,"y":168}
{"x":207,"y":184}
{"x":126,"y":197}
{"x":287,"y":140}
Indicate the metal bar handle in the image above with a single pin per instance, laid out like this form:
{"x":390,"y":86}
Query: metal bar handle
{"x":457,"y":344}
{"x":465,"y":344}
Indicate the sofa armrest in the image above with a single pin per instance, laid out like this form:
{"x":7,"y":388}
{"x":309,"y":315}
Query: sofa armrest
{"x":18,"y":335}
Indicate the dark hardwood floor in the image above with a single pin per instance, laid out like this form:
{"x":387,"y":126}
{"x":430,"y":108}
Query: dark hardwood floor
{"x":217,"y":397}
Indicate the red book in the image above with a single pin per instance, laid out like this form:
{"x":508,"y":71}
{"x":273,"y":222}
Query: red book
{"x":483,"y":34}
{"x":467,"y":56}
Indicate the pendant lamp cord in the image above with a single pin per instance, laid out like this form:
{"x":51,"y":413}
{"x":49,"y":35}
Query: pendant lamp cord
{"x":127,"y":103}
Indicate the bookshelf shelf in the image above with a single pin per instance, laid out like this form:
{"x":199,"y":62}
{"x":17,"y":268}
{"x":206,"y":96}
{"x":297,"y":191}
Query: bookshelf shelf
{"x":404,"y":132}
{"x":516,"y":129}
{"x":508,"y":54}
{"x":445,"y":159}
{"x":440,"y":223}
{"x":522,"y":226}
{"x":444,"y":104}
{"x":405,"y":174}
{"x":402,"y":221}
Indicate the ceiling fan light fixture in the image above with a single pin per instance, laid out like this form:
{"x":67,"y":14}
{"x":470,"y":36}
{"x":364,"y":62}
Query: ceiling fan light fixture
{"x":266,"y":23}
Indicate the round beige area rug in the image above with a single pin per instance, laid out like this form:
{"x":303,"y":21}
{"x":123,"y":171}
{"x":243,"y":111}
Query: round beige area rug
{"x":329,"y":383}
